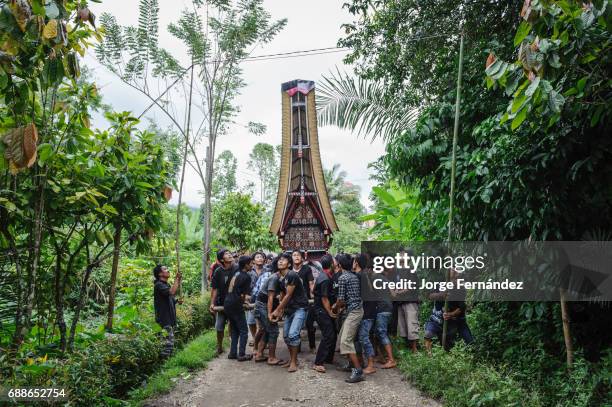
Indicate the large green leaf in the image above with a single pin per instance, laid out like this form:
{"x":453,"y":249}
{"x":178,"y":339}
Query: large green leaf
{"x":523,"y":31}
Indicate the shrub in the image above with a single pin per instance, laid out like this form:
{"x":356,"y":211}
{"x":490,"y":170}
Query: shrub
{"x":106,"y":366}
{"x":193,"y":317}
{"x":130,"y":359}
{"x":459,"y":381}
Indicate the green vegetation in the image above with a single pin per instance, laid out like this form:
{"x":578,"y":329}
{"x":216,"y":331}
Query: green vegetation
{"x":533,"y":162}
{"x":458,"y":379}
{"x":194,"y":356}
{"x":84,"y":213}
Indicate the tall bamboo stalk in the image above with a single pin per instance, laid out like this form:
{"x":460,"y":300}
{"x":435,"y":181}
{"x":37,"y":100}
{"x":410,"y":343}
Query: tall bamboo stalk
{"x":177,"y":243}
{"x":567,"y":335}
{"x":453,"y":172}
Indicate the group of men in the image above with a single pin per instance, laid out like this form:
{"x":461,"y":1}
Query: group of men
{"x":255,"y":293}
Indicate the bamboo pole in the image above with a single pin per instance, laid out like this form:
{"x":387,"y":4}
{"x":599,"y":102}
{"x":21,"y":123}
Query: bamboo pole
{"x":177,"y":244}
{"x":453,"y":172}
{"x":567,"y":336}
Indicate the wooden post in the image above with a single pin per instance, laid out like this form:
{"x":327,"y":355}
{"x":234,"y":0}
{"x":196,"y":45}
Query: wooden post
{"x":453,"y":171}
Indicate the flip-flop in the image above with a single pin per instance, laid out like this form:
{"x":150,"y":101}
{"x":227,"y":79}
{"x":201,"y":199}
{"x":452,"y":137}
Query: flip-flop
{"x":278,"y":362}
{"x":291,"y":370}
{"x":286,"y":364}
{"x":320,"y":369}
{"x":258,"y":360}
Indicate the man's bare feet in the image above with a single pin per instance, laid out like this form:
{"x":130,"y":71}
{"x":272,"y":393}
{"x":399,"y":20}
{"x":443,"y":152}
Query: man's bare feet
{"x":389,"y":365}
{"x":369,"y":370}
{"x":292,"y":368}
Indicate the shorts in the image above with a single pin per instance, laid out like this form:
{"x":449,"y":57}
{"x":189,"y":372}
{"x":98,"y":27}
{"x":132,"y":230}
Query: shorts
{"x":270,"y":328}
{"x":408,"y":321}
{"x":349,"y":329}
{"x":250,"y":317}
{"x":220,"y":320}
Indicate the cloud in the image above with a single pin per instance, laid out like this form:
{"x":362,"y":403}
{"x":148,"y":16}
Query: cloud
{"x":316,"y":25}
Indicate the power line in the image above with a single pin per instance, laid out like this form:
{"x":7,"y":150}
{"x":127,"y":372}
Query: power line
{"x":296,"y":52}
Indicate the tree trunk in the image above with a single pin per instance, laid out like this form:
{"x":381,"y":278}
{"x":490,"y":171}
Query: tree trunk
{"x":79,"y":307}
{"x":206,"y":240}
{"x":59,"y":299}
{"x":22,"y":326}
{"x":567,"y":335}
{"x":207,"y":214}
{"x":83,"y":293}
{"x":113,"y":282}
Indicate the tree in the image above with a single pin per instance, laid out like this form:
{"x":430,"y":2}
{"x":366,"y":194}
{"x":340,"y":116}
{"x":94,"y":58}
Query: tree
{"x":38,"y":57}
{"x":217,"y":36}
{"x":224,"y":181}
{"x":343,"y":195}
{"x":137,"y":176}
{"x":349,"y":236}
{"x":240,"y":224}
{"x":532,"y":167}
{"x":263,"y":160}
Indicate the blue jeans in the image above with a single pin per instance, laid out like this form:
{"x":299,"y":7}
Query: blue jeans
{"x":464,"y":331}
{"x":239,"y":331}
{"x":381,"y":326}
{"x":364,"y":337}
{"x":294,"y":323}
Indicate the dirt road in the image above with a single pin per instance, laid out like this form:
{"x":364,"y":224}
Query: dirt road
{"x":248,"y":384}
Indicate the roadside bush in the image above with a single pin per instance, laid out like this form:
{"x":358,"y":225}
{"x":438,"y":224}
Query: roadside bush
{"x":106,"y":367}
{"x":193,"y":317}
{"x":130,"y":359}
{"x":459,"y":381}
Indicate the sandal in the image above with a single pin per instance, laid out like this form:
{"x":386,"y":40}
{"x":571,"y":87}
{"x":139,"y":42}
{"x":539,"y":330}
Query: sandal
{"x":262,"y":359}
{"x":320,"y":369}
{"x":278,"y":362}
{"x":292,"y":369}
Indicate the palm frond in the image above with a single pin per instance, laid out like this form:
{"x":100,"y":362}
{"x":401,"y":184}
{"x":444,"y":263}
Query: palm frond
{"x":362,"y":106}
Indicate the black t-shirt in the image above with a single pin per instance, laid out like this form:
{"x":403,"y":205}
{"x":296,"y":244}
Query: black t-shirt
{"x":323,"y":288}
{"x":220,"y":281}
{"x":298,"y":298}
{"x":305,"y":274}
{"x":369,"y":306}
{"x":410,"y":296}
{"x":385,"y":302}
{"x":239,"y":284}
{"x":335,"y":278}
{"x":164,"y":304}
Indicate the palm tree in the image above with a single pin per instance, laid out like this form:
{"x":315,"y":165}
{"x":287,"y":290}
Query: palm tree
{"x":338,"y":188}
{"x":363,"y":106}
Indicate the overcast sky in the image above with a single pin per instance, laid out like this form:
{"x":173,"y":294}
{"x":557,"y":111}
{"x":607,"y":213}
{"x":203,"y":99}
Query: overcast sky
{"x":312,"y":24}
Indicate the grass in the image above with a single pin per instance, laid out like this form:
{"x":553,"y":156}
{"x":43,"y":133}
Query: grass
{"x":458,"y":380}
{"x":195,"y":355}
